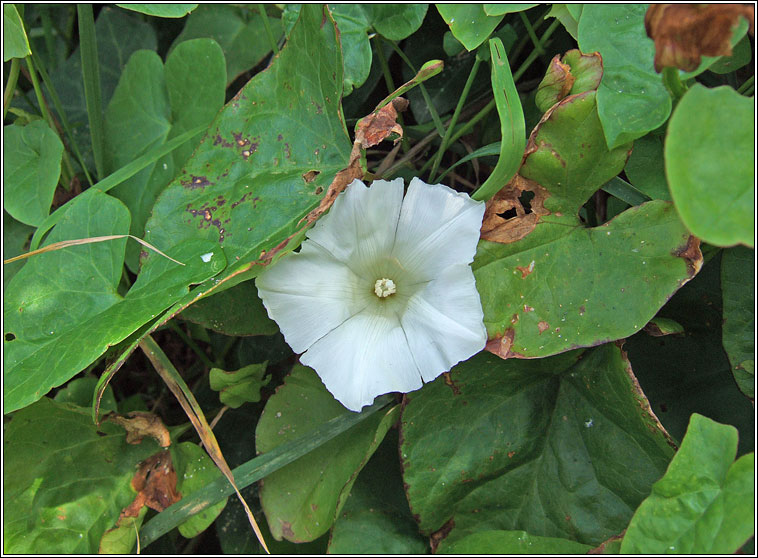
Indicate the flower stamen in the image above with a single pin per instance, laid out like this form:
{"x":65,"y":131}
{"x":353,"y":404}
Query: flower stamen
{"x":384,"y":287}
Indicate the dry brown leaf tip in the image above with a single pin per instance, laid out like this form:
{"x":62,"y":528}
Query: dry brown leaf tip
{"x":139,"y":424}
{"x":155,"y":483}
{"x":685,"y":32}
{"x":380,"y":124}
{"x":497,"y":228}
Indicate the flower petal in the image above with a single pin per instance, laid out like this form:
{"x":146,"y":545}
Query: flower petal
{"x":360,"y":227}
{"x":444,"y":322}
{"x":438,"y":227}
{"x":366,"y":356}
{"x":310,"y":293}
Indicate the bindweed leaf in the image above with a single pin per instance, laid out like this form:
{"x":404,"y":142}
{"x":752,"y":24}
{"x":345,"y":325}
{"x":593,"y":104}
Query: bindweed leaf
{"x":160,"y":10}
{"x":470,"y":23}
{"x":301,"y":500}
{"x":704,"y":502}
{"x":709,"y":159}
{"x":31,"y":168}
{"x":15,"y":41}
{"x":738,"y":288}
{"x":512,"y":542}
{"x":240,"y":386}
{"x":65,"y":480}
{"x":563,"y":447}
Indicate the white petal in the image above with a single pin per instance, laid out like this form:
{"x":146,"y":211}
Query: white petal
{"x":444,"y":322}
{"x":438,"y":227}
{"x":310,"y":293}
{"x":360,"y":227}
{"x":366,"y":356}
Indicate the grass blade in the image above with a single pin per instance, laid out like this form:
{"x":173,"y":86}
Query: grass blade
{"x":254,"y":470}
{"x":189,"y":404}
{"x":91,"y":76}
{"x":512,"y":126}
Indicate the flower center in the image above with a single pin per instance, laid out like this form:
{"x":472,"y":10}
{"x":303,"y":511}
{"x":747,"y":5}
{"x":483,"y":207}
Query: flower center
{"x":384,"y":287}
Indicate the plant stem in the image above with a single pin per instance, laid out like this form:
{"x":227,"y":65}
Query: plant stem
{"x":454,"y":119}
{"x":748,"y":85}
{"x":532,"y":34}
{"x":432,"y":111}
{"x":10,"y":87}
{"x":91,"y":76}
{"x":191,"y":344}
{"x":673,"y":83}
{"x":274,"y":46}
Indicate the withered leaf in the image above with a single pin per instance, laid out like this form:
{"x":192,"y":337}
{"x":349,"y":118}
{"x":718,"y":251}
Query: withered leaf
{"x":685,"y":32}
{"x":139,"y":424}
{"x":378,"y":125}
{"x":499,"y":229}
{"x":155,"y":483}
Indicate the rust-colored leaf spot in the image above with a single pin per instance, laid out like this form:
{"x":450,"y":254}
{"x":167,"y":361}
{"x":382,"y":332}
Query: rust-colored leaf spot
{"x":287,"y":531}
{"x":511,"y":454}
{"x":449,"y":382}
{"x":310,"y":176}
{"x":543,"y":326}
{"x":528,"y":308}
{"x":526,"y":270}
{"x":501,"y":345}
{"x":380,"y":124}
{"x":155,"y":483}
{"x":601,"y":549}
{"x":438,"y":536}
{"x":685,"y":32}
{"x":498,"y":226}
{"x":692,"y":255}
{"x":139,"y":424}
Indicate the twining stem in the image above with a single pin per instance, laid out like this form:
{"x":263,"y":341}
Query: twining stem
{"x":191,"y":344}
{"x":749,"y":85}
{"x":532,"y":35}
{"x":454,"y":119}
{"x":269,"y":34}
{"x":10,"y":87}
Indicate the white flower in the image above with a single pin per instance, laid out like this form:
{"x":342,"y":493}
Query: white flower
{"x":381,"y":295}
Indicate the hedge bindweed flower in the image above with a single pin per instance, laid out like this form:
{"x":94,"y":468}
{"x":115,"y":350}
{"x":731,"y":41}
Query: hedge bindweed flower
{"x":381,"y":296}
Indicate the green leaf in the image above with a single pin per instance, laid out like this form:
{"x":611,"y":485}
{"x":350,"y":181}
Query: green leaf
{"x":47,"y":337}
{"x":738,"y":288}
{"x":469,"y":23}
{"x":238,"y":387}
{"x":704,"y":502}
{"x":236,"y":311}
{"x":562,"y":14}
{"x":632,"y":99}
{"x":568,"y":155}
{"x":741,"y":54}
{"x":645,"y":167}
{"x":256,"y":469}
{"x":376,"y":518}
{"x":65,"y":480}
{"x":512,"y":126}
{"x":247,"y":186}
{"x":709,"y":164}
{"x":15,"y":242}
{"x":160,"y":10}
{"x":575,"y":73}
{"x":150,"y":106}
{"x":194,"y":470}
{"x":563,"y":447}
{"x":15,"y":42}
{"x":511,"y":542}
{"x":502,"y":9}
{"x":79,"y":392}
{"x":301,"y":500}
{"x":355,"y":22}
{"x":572,"y":287}
{"x":118,"y":35}
{"x":122,"y":538}
{"x":239,"y":30}
{"x":31,"y":168}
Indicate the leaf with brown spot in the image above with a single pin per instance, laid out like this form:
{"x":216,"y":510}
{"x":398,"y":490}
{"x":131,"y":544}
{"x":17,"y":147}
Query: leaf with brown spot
{"x":380,"y":124}
{"x":685,"y":32}
{"x":140,"y":424}
{"x":496,"y":228}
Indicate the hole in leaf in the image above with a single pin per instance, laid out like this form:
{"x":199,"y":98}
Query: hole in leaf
{"x":9,"y":337}
{"x":310,"y":176}
{"x":525,"y":199}
{"x":508,"y":214}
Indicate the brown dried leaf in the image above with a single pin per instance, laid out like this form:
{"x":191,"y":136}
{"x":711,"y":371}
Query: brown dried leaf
{"x":139,"y":425}
{"x":499,"y":229}
{"x":685,"y":32}
{"x":155,"y":483}
{"x":378,"y":125}
{"x":501,"y":345}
